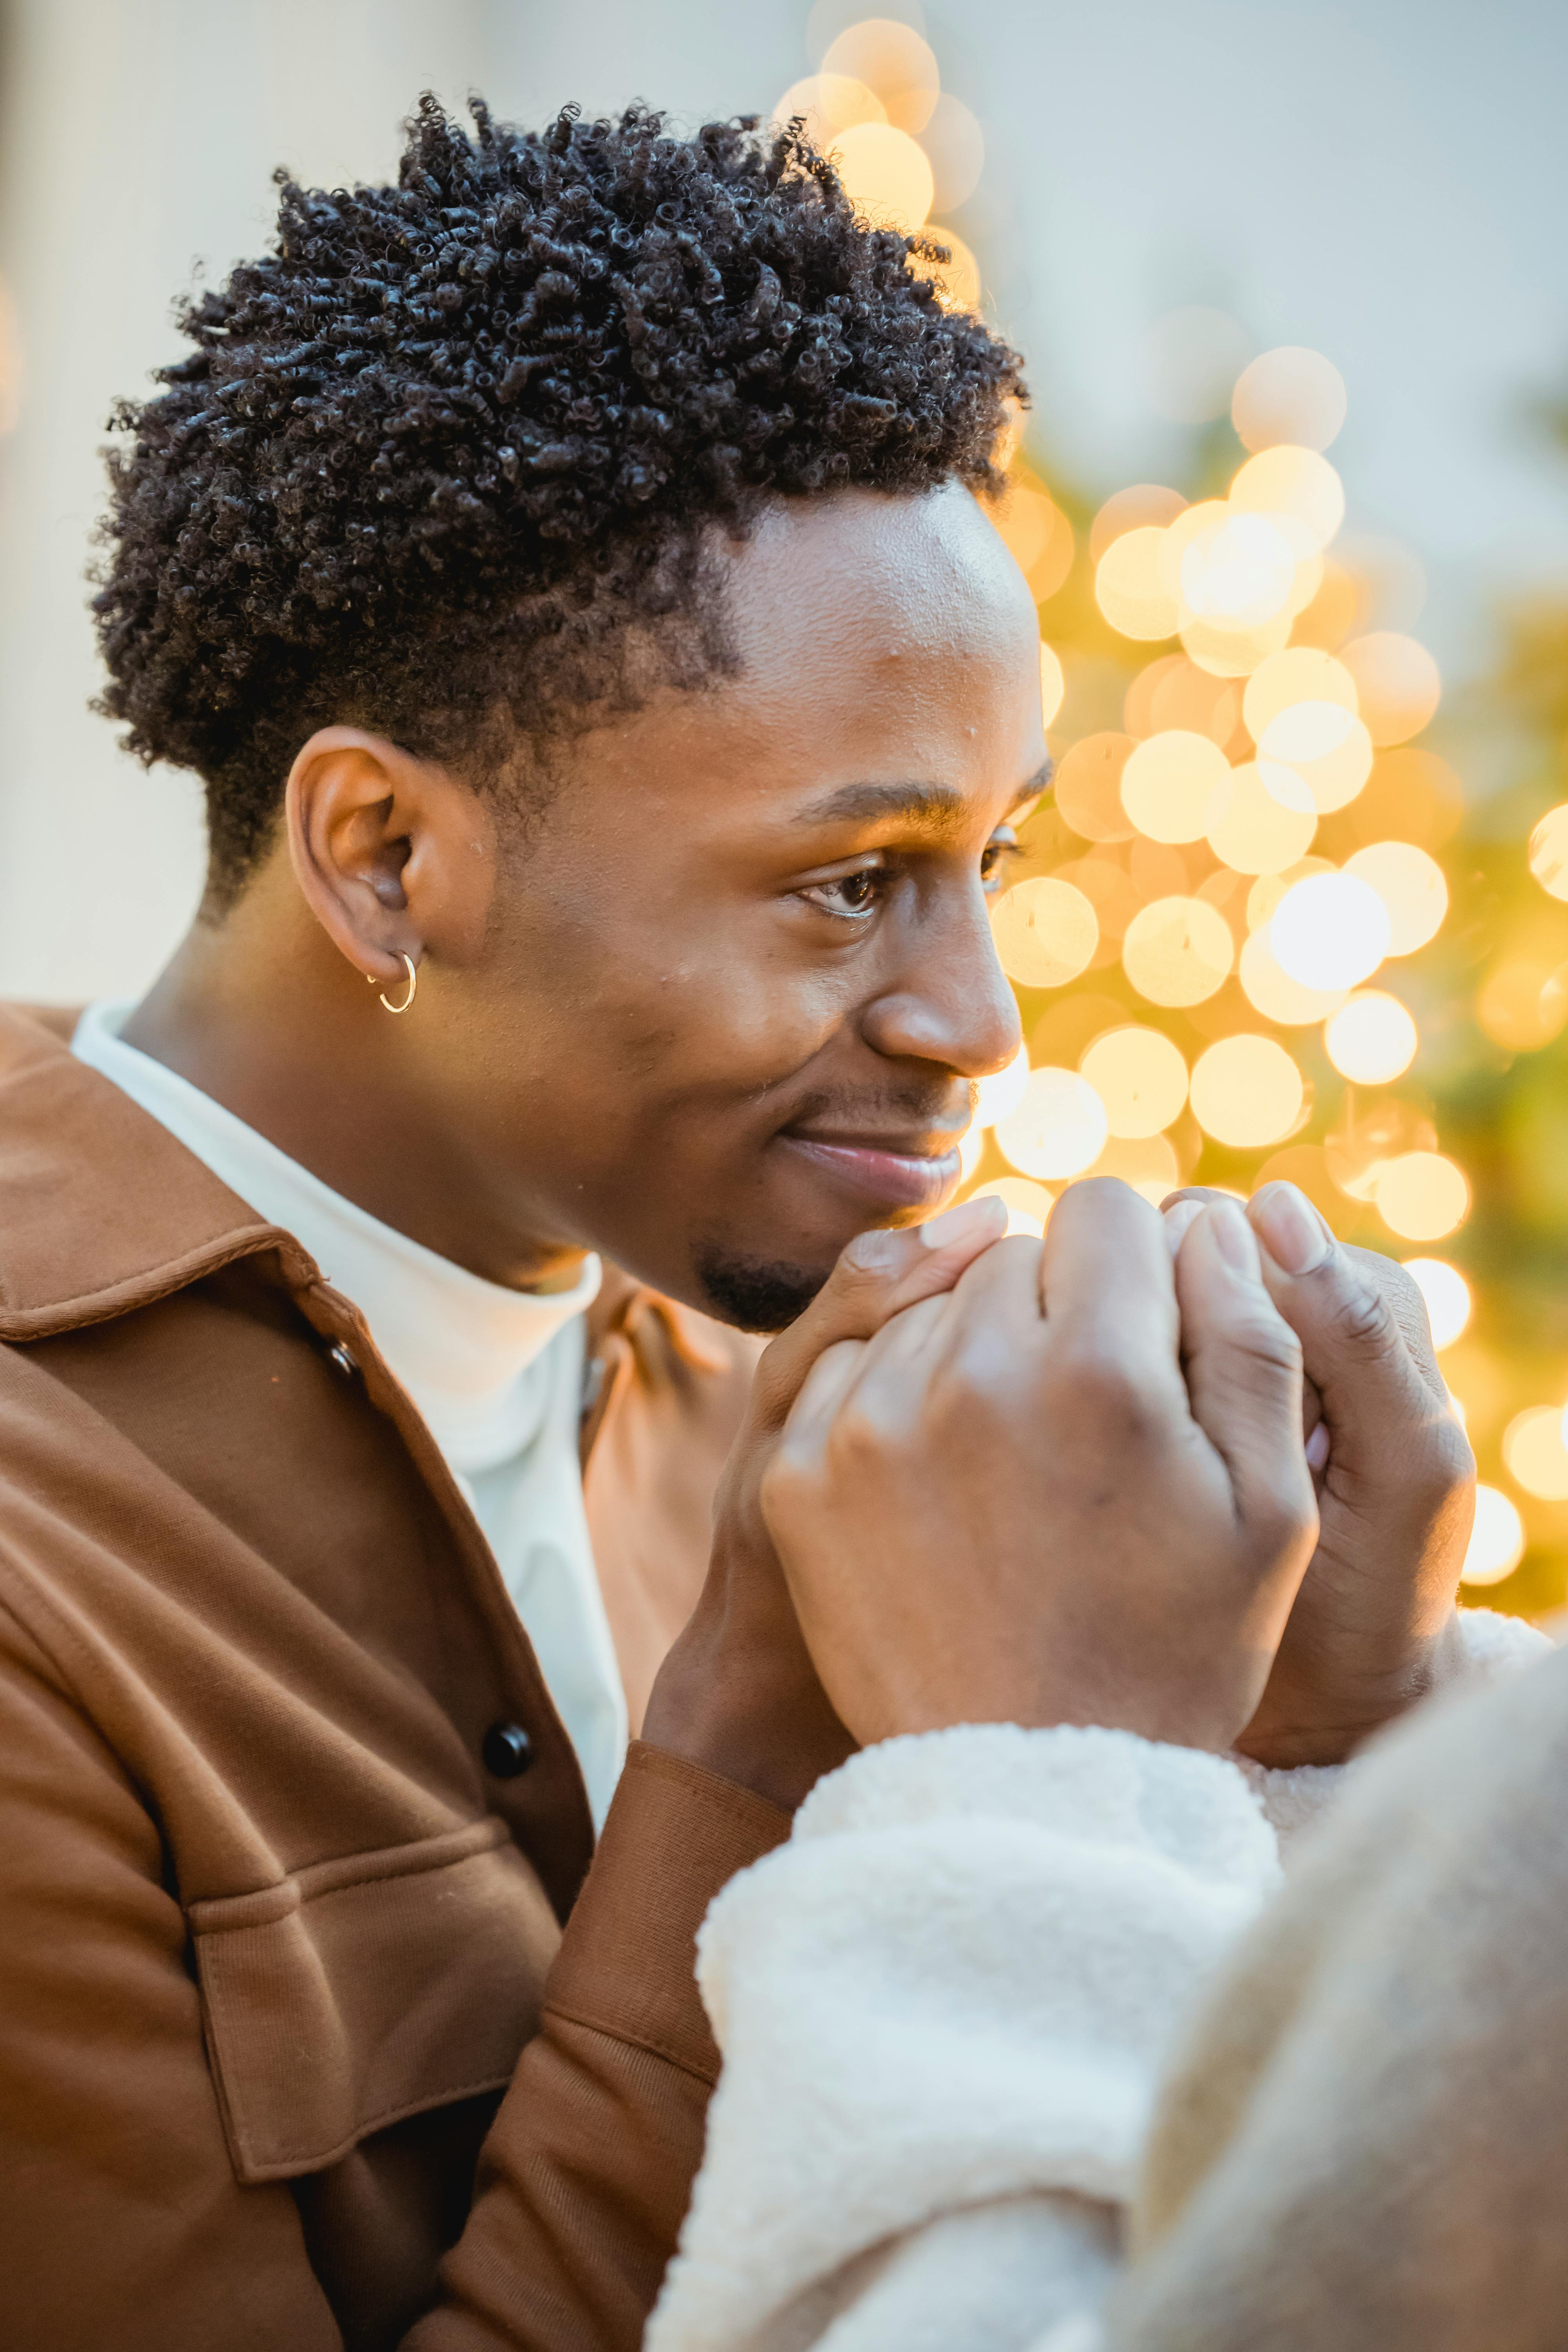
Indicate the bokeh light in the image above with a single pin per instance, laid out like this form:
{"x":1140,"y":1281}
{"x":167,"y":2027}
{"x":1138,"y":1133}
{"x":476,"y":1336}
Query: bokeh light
{"x":1299,"y":487}
{"x":1053,"y":683}
{"x":1168,"y":782}
{"x":828,"y":104}
{"x":1412,"y":888}
{"x":886,"y":175}
{"x":1397,"y":684}
{"x":1038,"y":536}
{"x":1045,"y":932}
{"x":1496,"y":1539}
{"x":1372,"y":1039}
{"x":1148,"y":1163}
{"x":1421,"y":1196}
{"x":893,"y":61}
{"x":1536,"y":1457}
{"x":1132,"y":589}
{"x":1303,"y":674}
{"x":1445,"y":1294}
{"x":1088,"y":787}
{"x":1141,"y":505}
{"x":956,"y":277}
{"x":1328,"y":747}
{"x":1178,"y":951}
{"x":955,"y":145}
{"x":1329,"y":931}
{"x":1549,"y":852}
{"x":1247,"y":1091}
{"x":996,"y":1095}
{"x":1522,"y":1004}
{"x":1288,"y":395}
{"x":1141,"y":1077}
{"x":1261,"y":818}
{"x":1275,"y":994}
{"x":1058,"y":1130}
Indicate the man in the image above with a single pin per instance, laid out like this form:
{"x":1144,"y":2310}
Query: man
{"x":563,"y":571}
{"x":947,"y":2005}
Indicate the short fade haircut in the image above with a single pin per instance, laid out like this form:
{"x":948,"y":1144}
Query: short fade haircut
{"x":444,"y":463}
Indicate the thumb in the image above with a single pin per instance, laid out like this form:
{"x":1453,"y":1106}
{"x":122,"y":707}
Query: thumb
{"x":1243,"y":1365}
{"x":878,"y":1275}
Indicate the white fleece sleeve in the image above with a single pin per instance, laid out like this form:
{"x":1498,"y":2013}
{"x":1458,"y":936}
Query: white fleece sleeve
{"x":1478,"y":1646}
{"x":947,"y":2001}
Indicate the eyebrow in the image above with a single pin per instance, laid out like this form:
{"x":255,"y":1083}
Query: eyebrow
{"x":940,"y":807}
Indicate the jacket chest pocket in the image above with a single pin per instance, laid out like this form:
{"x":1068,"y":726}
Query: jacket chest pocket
{"x":362,"y":1990}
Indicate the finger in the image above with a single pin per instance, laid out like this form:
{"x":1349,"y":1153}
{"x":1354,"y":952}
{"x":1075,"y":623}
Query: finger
{"x":1243,"y":1365}
{"x":878,"y":1274}
{"x":1371,"y":1361}
{"x":831,"y":1380}
{"x":1106,"y":1272}
{"x":1179,"y":1210}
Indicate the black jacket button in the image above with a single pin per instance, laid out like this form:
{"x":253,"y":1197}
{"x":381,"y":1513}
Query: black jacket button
{"x":506,"y":1750}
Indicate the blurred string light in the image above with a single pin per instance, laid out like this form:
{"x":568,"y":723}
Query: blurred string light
{"x":1536,"y":1457}
{"x":1372,"y":1039}
{"x":1445,"y":1296}
{"x":1496,"y":1539}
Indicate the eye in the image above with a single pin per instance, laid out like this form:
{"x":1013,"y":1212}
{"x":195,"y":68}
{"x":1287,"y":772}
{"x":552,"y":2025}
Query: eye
{"x":996,"y":860}
{"x":851,"y":897}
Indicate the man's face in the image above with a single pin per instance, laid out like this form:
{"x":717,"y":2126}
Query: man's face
{"x":739,"y":978}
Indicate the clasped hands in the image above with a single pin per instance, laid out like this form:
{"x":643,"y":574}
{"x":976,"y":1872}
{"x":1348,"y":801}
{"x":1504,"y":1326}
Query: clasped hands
{"x":1066,"y":1482}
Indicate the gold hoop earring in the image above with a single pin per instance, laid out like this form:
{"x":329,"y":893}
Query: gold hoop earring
{"x":412,"y":986}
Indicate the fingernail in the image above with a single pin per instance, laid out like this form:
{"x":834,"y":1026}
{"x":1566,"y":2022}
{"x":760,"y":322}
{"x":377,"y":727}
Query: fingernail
{"x":877,"y":1250}
{"x":1177,"y":1221}
{"x":1317,"y":1447}
{"x":968,"y":1221}
{"x":1294,"y":1235}
{"x":1235,"y":1237}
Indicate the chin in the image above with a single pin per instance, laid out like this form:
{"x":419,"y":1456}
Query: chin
{"x":755,"y":1294}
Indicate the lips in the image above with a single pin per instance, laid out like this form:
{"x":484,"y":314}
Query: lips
{"x":875,"y":1175}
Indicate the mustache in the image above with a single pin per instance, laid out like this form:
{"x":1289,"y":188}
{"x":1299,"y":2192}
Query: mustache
{"x":934,"y":1102}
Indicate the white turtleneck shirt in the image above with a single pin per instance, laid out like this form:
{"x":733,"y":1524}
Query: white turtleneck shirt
{"x":497,"y":1375}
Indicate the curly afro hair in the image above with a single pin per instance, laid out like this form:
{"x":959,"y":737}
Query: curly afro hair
{"x":440,"y":460}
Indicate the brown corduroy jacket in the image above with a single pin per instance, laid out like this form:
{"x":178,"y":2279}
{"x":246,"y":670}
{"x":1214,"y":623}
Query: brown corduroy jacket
{"x":294,"y":2055}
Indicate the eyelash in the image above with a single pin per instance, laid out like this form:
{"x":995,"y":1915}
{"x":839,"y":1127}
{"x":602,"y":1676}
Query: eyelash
{"x":995,"y":861}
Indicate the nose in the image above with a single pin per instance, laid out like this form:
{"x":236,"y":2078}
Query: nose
{"x":949,"y":1001}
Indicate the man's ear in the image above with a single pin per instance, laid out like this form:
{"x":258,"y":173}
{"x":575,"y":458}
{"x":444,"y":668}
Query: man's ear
{"x":394,"y":856}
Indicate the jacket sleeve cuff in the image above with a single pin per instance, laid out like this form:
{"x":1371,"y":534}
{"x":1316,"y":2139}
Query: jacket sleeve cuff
{"x":674,"y":1834}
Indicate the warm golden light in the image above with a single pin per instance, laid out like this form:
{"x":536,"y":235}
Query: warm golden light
{"x":1261,"y":819}
{"x":1289,"y":395}
{"x":1239,"y":572}
{"x":1536,"y":1457}
{"x":1275,"y":994}
{"x":1294,"y":486}
{"x":1038,"y":536}
{"x":829,"y":103}
{"x":1045,"y":932}
{"x":1247,"y":1092}
{"x":1269,"y":889}
{"x":1302,"y":674}
{"x":1397,"y":684}
{"x":1058,"y":1130}
{"x":1229,"y":652}
{"x":1139,"y":1077}
{"x":1088,"y":788}
{"x":1549,"y":852}
{"x":1173,"y":692}
{"x":1412,"y":888}
{"x":886,"y":175}
{"x":1169,"y":781}
{"x":1147,"y":1162}
{"x":1522,"y":1004}
{"x":1178,"y":951}
{"x":1141,"y":505}
{"x":956,"y":279}
{"x":1053,"y":685}
{"x":1326,"y":744}
{"x":1372,"y":1039}
{"x":1421,"y":1196}
{"x":1028,"y":1205}
{"x":1130,"y":588}
{"x":1445,"y":1294}
{"x":1496,"y":1539}
{"x":893,"y":61}
{"x":996,"y":1095}
{"x":1329,"y":931}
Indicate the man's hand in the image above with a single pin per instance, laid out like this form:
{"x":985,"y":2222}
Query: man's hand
{"x":1009,"y":1506}
{"x":737,"y":1692}
{"x":1396,"y":1491}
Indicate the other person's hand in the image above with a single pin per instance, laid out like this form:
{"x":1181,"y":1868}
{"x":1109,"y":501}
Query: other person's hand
{"x":1395,"y":1492}
{"x":1011,"y":1505}
{"x":737,"y":1692}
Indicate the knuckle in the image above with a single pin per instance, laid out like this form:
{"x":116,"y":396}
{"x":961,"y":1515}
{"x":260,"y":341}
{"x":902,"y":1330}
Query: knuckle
{"x":1102,"y":1391}
{"x":1362,"y":1318}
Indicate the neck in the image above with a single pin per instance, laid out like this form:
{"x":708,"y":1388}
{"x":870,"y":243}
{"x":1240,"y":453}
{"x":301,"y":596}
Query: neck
{"x":262,"y":1014}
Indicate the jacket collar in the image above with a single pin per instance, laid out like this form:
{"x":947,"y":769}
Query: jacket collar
{"x":102,"y":1211}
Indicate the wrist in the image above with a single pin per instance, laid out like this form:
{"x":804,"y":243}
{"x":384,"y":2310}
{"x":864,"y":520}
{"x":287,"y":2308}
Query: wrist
{"x":770,"y":1731}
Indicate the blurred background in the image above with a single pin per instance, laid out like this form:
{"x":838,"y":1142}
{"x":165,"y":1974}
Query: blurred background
{"x":1292,"y":498}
